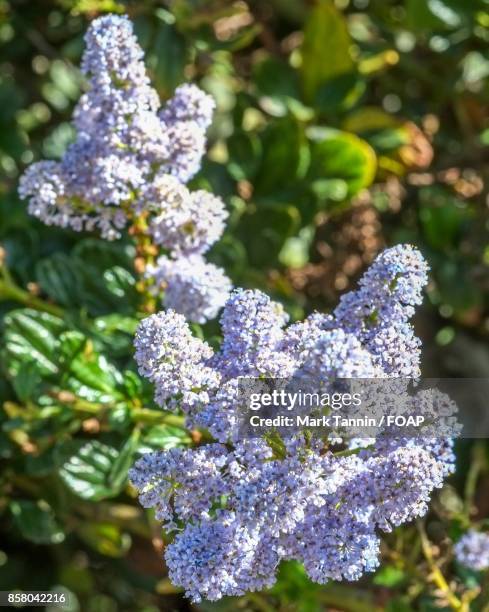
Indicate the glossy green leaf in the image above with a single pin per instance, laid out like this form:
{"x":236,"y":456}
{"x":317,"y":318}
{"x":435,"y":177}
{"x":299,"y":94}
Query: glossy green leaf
{"x":32,"y":336}
{"x":339,"y":155}
{"x":163,"y":437}
{"x":86,"y":372}
{"x":120,"y":283}
{"x":87,"y":468}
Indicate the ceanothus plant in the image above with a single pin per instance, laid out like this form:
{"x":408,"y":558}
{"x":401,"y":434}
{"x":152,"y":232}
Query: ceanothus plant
{"x":472,"y":550}
{"x":239,"y":506}
{"x":128,"y":167}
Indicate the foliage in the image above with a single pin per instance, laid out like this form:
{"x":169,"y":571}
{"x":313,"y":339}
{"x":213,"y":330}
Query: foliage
{"x":340,"y":127}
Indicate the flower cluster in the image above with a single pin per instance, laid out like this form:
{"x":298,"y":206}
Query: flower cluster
{"x":472,"y":550}
{"x":192,"y":286}
{"x":131,"y":158}
{"x":242,"y":504}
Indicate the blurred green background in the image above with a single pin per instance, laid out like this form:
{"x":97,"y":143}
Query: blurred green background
{"x":342,"y":127}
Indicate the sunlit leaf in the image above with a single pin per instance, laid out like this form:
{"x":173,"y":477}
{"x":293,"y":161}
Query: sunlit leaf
{"x":344,"y":156}
{"x":86,"y":469}
{"x":326,"y":50}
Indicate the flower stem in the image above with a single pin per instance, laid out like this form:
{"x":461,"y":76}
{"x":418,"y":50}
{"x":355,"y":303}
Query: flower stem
{"x":10,"y":291}
{"x":145,"y":256}
{"x":141,"y":415}
{"x":436,"y":575}
{"x":146,"y":415}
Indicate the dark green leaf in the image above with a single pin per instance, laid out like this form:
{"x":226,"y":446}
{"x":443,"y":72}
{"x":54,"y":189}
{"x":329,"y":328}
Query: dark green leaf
{"x":32,"y":336}
{"x":168,"y":57}
{"x":245,"y":152}
{"x":27,"y":380}
{"x":285,"y":156}
{"x":36,"y":522}
{"x":58,"y":277}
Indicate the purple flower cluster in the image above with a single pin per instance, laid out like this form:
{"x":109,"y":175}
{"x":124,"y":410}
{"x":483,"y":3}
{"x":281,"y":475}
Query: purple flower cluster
{"x":241,"y":505}
{"x":130,"y":157}
{"x":378,"y":313}
{"x":472,"y":550}
{"x":192,"y":286}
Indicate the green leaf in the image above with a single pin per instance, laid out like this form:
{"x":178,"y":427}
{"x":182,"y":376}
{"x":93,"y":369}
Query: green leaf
{"x":389,"y":576}
{"x":58,"y":278}
{"x":245,"y":151}
{"x":443,"y":217}
{"x":103,"y":291}
{"x":456,"y":285}
{"x":86,"y":472}
{"x":113,"y":323}
{"x":428,"y":15}
{"x":120,"y":467}
{"x":93,"y":6}
{"x":120,"y":283}
{"x":325,"y":50}
{"x":32,"y":336}
{"x":102,"y":254}
{"x":26,"y":381}
{"x":399,"y":604}
{"x":75,"y":283}
{"x":276,"y":79}
{"x":163,"y":437}
{"x":339,"y":155}
{"x":36,"y":522}
{"x":335,"y":189}
{"x":86,"y":372}
{"x":133,"y":385}
{"x":285,"y":156}
{"x":340,"y":92}
{"x":267,"y":229}
{"x":279,"y":89}
{"x":168,"y":57}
